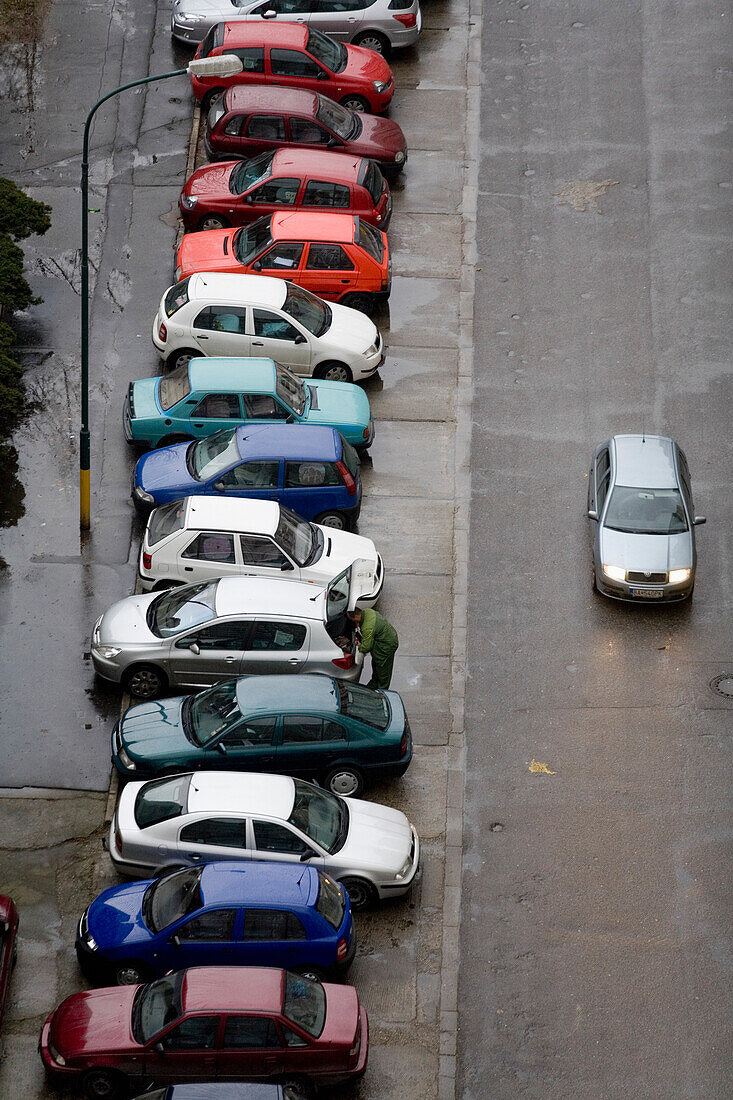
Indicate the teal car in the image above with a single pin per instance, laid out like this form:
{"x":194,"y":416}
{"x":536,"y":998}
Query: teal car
{"x":314,"y":726}
{"x":208,"y":395}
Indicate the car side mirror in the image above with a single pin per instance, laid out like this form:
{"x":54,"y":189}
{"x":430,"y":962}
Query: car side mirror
{"x":159,"y":1048}
{"x":195,"y":648}
{"x":219,"y":486}
{"x":269,"y":14}
{"x":306,"y":855}
{"x":332,"y":141}
{"x":699,"y":520}
{"x":322,"y":75}
{"x":257,"y":266}
{"x":175,"y":940}
{"x":299,"y":339}
{"x":221,"y":747}
{"x":592,"y":514}
{"x":286,"y":567}
{"x":248,"y":198}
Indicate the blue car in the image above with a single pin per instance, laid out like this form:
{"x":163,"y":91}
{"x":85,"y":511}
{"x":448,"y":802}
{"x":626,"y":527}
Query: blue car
{"x":312,"y":471}
{"x":218,"y":914}
{"x":226,"y":1090}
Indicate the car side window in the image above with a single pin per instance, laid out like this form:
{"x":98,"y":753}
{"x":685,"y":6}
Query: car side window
{"x":250,"y":1033}
{"x":227,"y":832}
{"x":309,"y":132}
{"x":266,"y":128}
{"x":271,"y":925}
{"x":310,"y":475}
{"x":252,"y":734}
{"x":685,"y":478}
{"x":285,"y":7}
{"x":225,"y":636}
{"x":320,"y":193}
{"x":270,"y":837}
{"x":277,"y":636}
{"x":260,"y":406}
{"x":293,"y":63}
{"x":281,"y":192}
{"x":261,"y":551}
{"x":273,"y":327}
{"x":214,"y":927}
{"x":328,"y":257}
{"x":218,"y":406}
{"x":198,"y":1033}
{"x":252,"y":57}
{"x":252,"y":475}
{"x":222,"y":319}
{"x":603,"y":475}
{"x":302,"y":729}
{"x":281,"y":257}
{"x":233,"y":125}
{"x":211,"y":546}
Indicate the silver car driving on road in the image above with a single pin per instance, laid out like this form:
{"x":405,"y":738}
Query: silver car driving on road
{"x":640,"y":500}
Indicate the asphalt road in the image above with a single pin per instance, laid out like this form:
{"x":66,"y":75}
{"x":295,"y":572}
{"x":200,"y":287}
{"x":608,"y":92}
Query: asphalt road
{"x":595,"y":937}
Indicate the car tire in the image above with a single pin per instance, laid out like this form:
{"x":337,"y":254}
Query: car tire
{"x":333,"y":371}
{"x":313,"y":973}
{"x":207,"y":98}
{"x":213,"y":221}
{"x":145,"y":681}
{"x":361,"y":893}
{"x":104,"y":1084}
{"x":171,"y":440}
{"x":131,"y":973}
{"x":337,"y":520}
{"x":373,"y":40}
{"x":346,"y":781}
{"x":297,"y":1088}
{"x":182,"y":357}
{"x":356,"y":103}
{"x":363,"y":302}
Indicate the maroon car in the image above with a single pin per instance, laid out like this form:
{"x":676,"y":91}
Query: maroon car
{"x":8,"y":933}
{"x":246,"y":121}
{"x":209,"y":1023}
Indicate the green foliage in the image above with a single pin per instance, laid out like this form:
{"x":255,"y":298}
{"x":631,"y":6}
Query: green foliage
{"x":12,"y":396}
{"x":20,"y":215}
{"x":15,"y":293}
{"x":7,"y":337}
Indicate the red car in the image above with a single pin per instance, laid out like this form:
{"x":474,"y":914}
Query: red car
{"x":237,"y":192}
{"x":223,"y":1023}
{"x":294,"y":56}
{"x":247,"y":121}
{"x":8,"y":933}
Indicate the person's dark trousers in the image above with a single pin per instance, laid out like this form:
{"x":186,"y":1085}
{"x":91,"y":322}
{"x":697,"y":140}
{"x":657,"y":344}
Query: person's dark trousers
{"x":381,"y":672}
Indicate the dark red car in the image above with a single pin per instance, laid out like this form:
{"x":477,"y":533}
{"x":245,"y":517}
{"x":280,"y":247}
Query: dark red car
{"x":247,"y":121}
{"x":295,"y":56}
{"x":209,"y":1023}
{"x":238,"y":192}
{"x":8,"y":934}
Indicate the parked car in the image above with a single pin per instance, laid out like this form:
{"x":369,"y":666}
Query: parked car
{"x":198,"y":634}
{"x":217,"y":1021}
{"x":219,"y":914}
{"x":344,"y":736}
{"x":640,"y":499}
{"x":336,"y":256}
{"x":8,"y":949}
{"x":291,"y":55}
{"x":237,"y":192}
{"x":379,"y":25}
{"x":372,"y":850}
{"x":229,"y":1090}
{"x":202,"y":537}
{"x":247,"y":121}
{"x":313,"y":471}
{"x":208,"y":395}
{"x":243,"y":315}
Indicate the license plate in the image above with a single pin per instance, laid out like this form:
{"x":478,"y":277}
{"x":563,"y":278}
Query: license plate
{"x":647,"y":593}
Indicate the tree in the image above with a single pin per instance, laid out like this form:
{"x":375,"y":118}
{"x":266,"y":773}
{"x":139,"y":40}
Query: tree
{"x":20,"y":215}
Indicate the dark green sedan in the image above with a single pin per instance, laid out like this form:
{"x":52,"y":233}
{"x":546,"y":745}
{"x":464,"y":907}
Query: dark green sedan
{"x":314,"y":726}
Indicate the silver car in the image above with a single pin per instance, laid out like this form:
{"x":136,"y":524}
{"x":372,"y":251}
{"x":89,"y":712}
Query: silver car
{"x":380,"y":25}
{"x":640,"y":500}
{"x":198,"y":634}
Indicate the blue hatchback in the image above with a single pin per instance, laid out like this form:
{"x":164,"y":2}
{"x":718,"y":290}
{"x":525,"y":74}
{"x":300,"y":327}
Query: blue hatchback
{"x":312,"y":471}
{"x":218,"y":914}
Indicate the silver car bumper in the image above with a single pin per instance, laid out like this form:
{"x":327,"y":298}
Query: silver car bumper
{"x":644,"y":593}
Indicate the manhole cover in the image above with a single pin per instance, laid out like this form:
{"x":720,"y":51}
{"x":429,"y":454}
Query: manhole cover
{"x":723,"y":685}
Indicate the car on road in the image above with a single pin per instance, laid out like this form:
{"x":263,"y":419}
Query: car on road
{"x":311,"y":470}
{"x":218,"y":914}
{"x":206,"y":1022}
{"x":202,"y":537}
{"x":380,"y":25}
{"x":209,"y":395}
{"x":255,"y":315}
{"x":231,"y":626}
{"x":182,"y":820}
{"x":247,"y":121}
{"x":228,"y":1090}
{"x":640,"y":500}
{"x":342,"y":735}
{"x":237,"y":192}
{"x":292,"y":55}
{"x":8,"y":936}
{"x":336,"y":256}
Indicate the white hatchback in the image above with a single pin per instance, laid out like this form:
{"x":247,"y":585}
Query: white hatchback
{"x":185,"y":819}
{"x":202,"y":537}
{"x":214,"y":314}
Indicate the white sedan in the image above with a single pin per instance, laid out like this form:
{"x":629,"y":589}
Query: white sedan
{"x":202,"y":537}
{"x":185,"y":819}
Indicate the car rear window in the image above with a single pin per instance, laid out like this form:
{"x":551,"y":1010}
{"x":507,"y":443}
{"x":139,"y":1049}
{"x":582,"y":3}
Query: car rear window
{"x":370,"y":240}
{"x":330,"y":901}
{"x":350,"y":458}
{"x":164,"y":521}
{"x":161,"y":800}
{"x":304,"y":1003}
{"x":173,"y":388}
{"x":217,"y":110}
{"x":213,"y":38}
{"x":374,"y":181}
{"x":363,"y":703}
{"x":176,"y":297}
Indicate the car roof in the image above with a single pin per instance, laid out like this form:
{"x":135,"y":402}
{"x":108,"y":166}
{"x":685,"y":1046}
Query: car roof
{"x":259,"y":290}
{"x":269,"y":596}
{"x":232,"y":375}
{"x":232,"y":988}
{"x":263,"y":34}
{"x":644,"y":461}
{"x":238,"y":883}
{"x":206,"y":513}
{"x":241,"y":792}
{"x":225,"y":1090}
{"x":303,"y":225}
{"x":269,"y":98}
{"x":287,"y":694}
{"x":320,"y":163}
{"x":297,"y":442}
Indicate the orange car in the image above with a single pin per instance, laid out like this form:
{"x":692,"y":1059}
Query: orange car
{"x":337,"y":256}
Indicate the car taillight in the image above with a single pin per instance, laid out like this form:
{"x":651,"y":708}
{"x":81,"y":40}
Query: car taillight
{"x":385,"y":283}
{"x":342,"y":950}
{"x":162,"y":333}
{"x":347,"y":661}
{"x":357,"y":1042}
{"x":348,"y":479}
{"x":147,"y":560}
{"x":408,"y":20}
{"x":118,"y":836}
{"x":403,"y":744}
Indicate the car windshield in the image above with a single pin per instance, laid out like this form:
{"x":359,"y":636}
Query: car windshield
{"x":343,"y":122}
{"x":173,"y":388}
{"x":214,"y":454}
{"x":211,"y":712}
{"x":182,"y":608}
{"x":312,"y":312}
{"x":168,"y":899}
{"x":156,"y":1005}
{"x":164,"y":521}
{"x":330,"y":902}
{"x":250,"y":240}
{"x":161,"y":800}
{"x":290,"y":390}
{"x":249,"y":172}
{"x":322,"y":816}
{"x":363,"y":703}
{"x":296,"y":536}
{"x":646,"y":511}
{"x":329,"y":53}
{"x":176,"y":297}
{"x":304,"y":1003}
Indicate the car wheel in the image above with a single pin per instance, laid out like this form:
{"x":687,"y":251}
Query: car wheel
{"x":373,"y":40}
{"x":313,"y":973}
{"x":362,"y":302}
{"x":355,"y":103}
{"x":213,"y":221}
{"x":182,"y":358}
{"x":333,"y":371}
{"x":104,"y":1084}
{"x":345,"y":781}
{"x":297,"y":1088}
{"x":145,"y":681}
{"x":361,"y":893}
{"x":131,"y":973}
{"x":333,"y":519}
{"x":206,"y":101}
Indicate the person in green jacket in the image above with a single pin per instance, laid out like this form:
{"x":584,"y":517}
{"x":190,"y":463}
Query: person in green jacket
{"x":378,"y":637}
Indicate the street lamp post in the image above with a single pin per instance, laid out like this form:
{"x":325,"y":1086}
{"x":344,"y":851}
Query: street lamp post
{"x":224,"y":65}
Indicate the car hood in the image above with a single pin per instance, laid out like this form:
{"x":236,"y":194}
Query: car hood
{"x":363,"y":64}
{"x":124,"y":622}
{"x":144,"y":397}
{"x":166,"y":469}
{"x":380,"y":137}
{"x":340,"y":549}
{"x":340,"y":405}
{"x":95,"y":1021}
{"x":212,"y":180}
{"x":155,"y":730}
{"x":114,"y":918}
{"x":209,"y":250}
{"x":646,"y":553}
{"x":204,"y":7}
{"x":379,"y":837}
{"x":350,"y":329}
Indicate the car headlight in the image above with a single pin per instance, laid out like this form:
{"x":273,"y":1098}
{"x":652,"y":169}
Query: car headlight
{"x":185,"y":17}
{"x":677,"y":575}
{"x":178,"y":274}
{"x":615,"y":572}
{"x":405,"y":868}
{"x":58,"y":1058}
{"x":399,"y":157}
{"x":106,"y":651}
{"x":189,"y":201}
{"x":125,"y":760}
{"x":371,"y":350}
{"x":380,"y":85}
{"x":142,"y":495}
{"x":90,"y":941}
